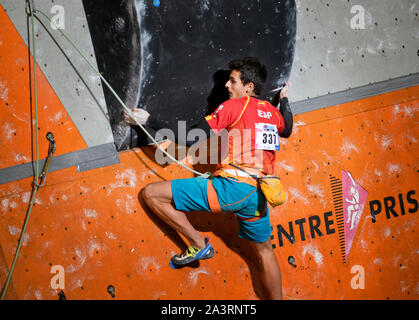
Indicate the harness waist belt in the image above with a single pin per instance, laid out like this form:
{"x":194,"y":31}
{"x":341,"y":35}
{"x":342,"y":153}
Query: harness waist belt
{"x":238,"y":173}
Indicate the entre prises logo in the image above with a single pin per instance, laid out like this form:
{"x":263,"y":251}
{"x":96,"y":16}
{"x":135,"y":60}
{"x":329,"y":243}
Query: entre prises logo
{"x":349,"y":199}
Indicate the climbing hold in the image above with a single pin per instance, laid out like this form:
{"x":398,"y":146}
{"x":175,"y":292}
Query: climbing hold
{"x":111,"y":290}
{"x":291,"y":261}
{"x":61,"y":296}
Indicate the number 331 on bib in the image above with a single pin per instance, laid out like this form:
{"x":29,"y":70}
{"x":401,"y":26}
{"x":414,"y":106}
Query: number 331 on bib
{"x":267,"y":137}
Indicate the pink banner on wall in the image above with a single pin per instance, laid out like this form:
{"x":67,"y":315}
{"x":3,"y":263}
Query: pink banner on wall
{"x":354,"y":199}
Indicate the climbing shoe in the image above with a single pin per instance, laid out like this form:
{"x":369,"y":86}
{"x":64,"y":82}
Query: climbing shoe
{"x":192,"y":254}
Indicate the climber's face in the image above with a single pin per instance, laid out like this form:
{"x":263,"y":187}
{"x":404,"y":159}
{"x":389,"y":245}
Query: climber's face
{"x":236,"y":88}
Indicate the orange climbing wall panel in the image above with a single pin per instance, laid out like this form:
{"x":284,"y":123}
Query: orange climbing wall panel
{"x":374,"y":139}
{"x":94,"y":225}
{"x":17,"y":104}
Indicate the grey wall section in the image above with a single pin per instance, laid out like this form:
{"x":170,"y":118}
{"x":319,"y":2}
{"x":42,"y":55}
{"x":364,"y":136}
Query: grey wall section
{"x":85,"y":159}
{"x":331,"y":57}
{"x":357,"y":93}
{"x":84,"y":102}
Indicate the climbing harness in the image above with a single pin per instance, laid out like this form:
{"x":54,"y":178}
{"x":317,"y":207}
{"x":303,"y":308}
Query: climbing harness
{"x":215,"y":206}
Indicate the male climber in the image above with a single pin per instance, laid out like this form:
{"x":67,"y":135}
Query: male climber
{"x":231,"y":189}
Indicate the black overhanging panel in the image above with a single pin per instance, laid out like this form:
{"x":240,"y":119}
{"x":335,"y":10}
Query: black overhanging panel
{"x":171,"y":59}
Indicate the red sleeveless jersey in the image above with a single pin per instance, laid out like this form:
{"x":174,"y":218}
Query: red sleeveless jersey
{"x":253,"y":128}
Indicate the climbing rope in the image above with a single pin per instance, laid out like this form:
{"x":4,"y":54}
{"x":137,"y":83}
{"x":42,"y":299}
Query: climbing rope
{"x":205,"y":175}
{"x":35,"y":182}
{"x":31,"y":12}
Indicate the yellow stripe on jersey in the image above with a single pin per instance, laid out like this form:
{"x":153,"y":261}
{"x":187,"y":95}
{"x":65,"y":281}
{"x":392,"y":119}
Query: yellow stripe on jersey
{"x":244,"y":108}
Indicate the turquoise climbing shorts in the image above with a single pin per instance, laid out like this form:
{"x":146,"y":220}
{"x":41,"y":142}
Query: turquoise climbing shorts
{"x":238,"y":197}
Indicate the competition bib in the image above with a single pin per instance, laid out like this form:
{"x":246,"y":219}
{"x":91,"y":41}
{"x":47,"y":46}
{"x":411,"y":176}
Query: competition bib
{"x":267,"y":137}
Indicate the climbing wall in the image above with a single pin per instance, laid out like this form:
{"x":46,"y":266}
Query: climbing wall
{"x":17,"y":110}
{"x":357,"y":158}
{"x":347,"y":231}
{"x":159,"y":61}
{"x":77,"y":87}
{"x":95,"y":225}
